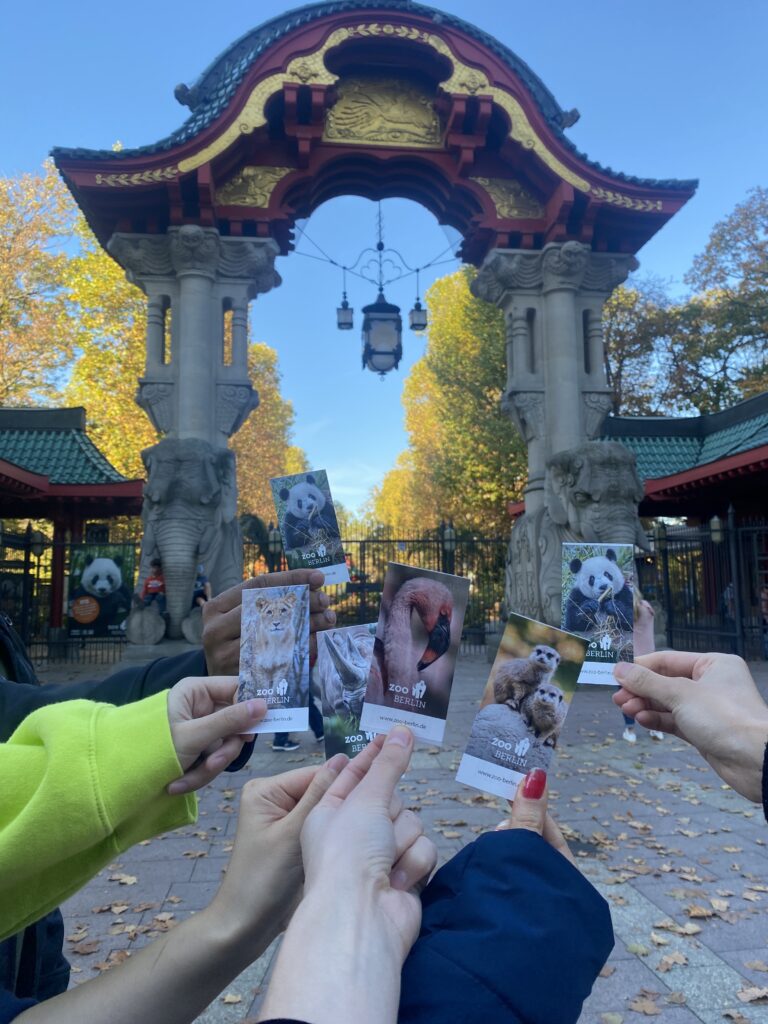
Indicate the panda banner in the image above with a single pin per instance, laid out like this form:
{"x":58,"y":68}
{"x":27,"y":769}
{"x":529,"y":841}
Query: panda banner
{"x":307,"y":522}
{"x":598,"y":582}
{"x":523,"y":706}
{"x":100,"y":587}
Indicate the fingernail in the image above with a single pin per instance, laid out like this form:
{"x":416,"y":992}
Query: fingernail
{"x":316,"y":578}
{"x":336,"y":763}
{"x":622,"y":669}
{"x":502,"y":825}
{"x":330,"y":615}
{"x":399,"y":735}
{"x":535,"y":784}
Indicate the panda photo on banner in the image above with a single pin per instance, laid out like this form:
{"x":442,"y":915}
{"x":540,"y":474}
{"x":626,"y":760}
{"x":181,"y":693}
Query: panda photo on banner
{"x":308,"y":526}
{"x":597,"y":604}
{"x":100,"y":587}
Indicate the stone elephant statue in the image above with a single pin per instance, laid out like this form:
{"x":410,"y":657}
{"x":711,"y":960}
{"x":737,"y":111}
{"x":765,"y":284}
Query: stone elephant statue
{"x":591,"y":495}
{"x":189,"y":519}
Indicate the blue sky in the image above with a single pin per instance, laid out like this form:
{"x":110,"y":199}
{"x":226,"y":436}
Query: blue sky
{"x":665,"y":89}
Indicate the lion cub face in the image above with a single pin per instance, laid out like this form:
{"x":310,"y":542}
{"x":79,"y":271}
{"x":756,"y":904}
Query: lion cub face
{"x":276,"y":613}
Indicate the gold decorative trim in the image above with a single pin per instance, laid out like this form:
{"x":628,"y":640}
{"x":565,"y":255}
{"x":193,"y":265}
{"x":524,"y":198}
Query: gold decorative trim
{"x":629,"y":202}
{"x":251,"y":186}
{"x":511,"y":200}
{"x":381,"y":110}
{"x":128,"y":180}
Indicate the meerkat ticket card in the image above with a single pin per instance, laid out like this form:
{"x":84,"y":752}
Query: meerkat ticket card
{"x":598,"y":583}
{"x":307,"y":522}
{"x":344,"y":664}
{"x":274,"y":655}
{"x":523,"y":707}
{"x":417,"y":640}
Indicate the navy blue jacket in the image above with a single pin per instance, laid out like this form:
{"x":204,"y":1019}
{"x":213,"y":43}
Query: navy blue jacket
{"x":511,"y":933}
{"x":32,"y":964}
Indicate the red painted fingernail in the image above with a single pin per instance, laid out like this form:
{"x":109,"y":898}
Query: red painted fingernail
{"x":535,"y":784}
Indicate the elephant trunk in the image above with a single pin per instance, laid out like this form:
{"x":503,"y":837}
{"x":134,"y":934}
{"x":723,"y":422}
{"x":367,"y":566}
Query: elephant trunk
{"x":177,"y":543}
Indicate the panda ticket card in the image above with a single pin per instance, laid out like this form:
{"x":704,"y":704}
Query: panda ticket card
{"x":274,"y":656}
{"x":523,"y":706}
{"x":307,"y":522}
{"x":598,"y":581}
{"x":344,"y":666}
{"x":417,"y":641}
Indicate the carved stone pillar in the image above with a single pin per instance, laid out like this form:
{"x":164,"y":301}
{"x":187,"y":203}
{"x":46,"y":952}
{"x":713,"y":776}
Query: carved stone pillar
{"x":557,"y":392}
{"x":198,"y":393}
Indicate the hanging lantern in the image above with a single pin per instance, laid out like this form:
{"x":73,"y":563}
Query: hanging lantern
{"x":417,"y":318}
{"x":382,"y":336}
{"x":344,"y":315}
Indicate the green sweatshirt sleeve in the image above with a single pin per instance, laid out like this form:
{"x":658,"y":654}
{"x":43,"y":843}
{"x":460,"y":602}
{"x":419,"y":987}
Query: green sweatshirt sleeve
{"x":79,"y":783}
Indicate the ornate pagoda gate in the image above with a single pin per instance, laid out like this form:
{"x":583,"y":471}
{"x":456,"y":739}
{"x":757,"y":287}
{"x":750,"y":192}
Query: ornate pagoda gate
{"x":373,"y":99}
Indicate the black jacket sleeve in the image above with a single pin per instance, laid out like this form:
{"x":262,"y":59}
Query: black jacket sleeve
{"x":17,"y":700}
{"x":510,"y":931}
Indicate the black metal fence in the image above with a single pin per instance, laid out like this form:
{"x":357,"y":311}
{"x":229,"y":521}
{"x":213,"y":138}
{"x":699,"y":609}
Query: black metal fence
{"x":712,"y":584}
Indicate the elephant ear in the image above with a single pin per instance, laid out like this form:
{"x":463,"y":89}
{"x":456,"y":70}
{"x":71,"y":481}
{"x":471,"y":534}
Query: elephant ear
{"x":225,"y":470}
{"x":557,"y":483}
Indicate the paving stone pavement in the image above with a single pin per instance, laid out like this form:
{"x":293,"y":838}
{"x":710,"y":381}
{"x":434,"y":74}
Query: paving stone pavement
{"x":670,"y":847}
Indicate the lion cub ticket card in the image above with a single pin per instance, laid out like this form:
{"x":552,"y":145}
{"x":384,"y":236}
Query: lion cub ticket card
{"x":417,"y":640}
{"x":523,"y":707}
{"x":307,"y":522}
{"x":344,"y":665}
{"x":274,"y":656}
{"x":597,"y":604}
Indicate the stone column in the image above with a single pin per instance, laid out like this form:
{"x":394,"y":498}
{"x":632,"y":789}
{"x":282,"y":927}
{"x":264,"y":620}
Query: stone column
{"x":197,"y":400}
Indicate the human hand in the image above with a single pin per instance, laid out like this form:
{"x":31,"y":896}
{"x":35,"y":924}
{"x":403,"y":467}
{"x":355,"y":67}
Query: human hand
{"x":221,"y":617}
{"x":365,"y":858}
{"x":708,"y":700}
{"x":207,"y":728}
{"x":529,"y":811}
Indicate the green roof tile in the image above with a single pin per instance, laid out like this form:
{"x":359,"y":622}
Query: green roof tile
{"x":64,"y":456}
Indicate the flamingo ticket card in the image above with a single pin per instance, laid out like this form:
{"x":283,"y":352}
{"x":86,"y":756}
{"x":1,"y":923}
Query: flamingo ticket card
{"x":523,"y":706}
{"x":417,"y":640}
{"x":307,"y":522}
{"x":344,"y":664}
{"x":598,"y":581}
{"x":274,"y":655}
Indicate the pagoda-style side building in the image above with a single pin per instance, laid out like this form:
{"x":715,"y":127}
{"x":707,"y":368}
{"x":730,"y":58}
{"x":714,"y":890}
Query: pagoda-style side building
{"x":50,"y":469}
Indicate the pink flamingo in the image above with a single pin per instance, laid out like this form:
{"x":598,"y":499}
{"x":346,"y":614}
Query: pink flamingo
{"x":397,"y":657}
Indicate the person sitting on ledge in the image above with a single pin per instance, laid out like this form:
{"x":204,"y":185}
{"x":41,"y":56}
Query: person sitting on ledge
{"x":154,"y":586}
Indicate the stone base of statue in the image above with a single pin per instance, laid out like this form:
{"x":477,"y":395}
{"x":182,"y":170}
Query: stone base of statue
{"x":145,"y":626}
{"x":141,"y":654}
{"x":192,"y":626}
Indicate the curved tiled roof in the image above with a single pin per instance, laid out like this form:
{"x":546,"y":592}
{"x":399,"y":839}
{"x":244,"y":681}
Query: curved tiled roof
{"x":214,"y":89}
{"x":666,"y":446}
{"x":54,"y":444}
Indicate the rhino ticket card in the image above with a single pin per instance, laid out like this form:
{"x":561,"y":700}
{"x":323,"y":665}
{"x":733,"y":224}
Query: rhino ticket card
{"x":307,"y":522}
{"x":274,"y":656}
{"x":417,"y":641}
{"x":598,"y":580}
{"x":344,"y":665}
{"x":523,"y":706}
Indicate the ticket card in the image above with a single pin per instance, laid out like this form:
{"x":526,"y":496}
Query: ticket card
{"x":344,"y":665}
{"x":418,"y":636}
{"x":523,"y":706}
{"x":274,"y":655}
{"x":598,"y":582}
{"x":307,"y":522}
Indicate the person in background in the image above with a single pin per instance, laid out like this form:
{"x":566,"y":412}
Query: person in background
{"x":154,"y":586}
{"x":644,"y":643}
{"x":764,"y":617}
{"x":202,"y":589}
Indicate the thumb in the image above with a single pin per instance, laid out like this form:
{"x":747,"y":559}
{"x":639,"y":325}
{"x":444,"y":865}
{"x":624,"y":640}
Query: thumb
{"x":642,"y":682}
{"x":529,"y":808}
{"x":197,"y":734}
{"x":391,"y":761}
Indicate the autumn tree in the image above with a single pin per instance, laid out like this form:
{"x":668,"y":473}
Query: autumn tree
{"x":635,"y":321}
{"x":36,"y":218}
{"x":465,"y":459}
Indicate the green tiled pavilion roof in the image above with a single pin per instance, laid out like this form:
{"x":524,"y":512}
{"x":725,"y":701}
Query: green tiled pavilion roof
{"x":53,"y":443}
{"x":666,"y":446}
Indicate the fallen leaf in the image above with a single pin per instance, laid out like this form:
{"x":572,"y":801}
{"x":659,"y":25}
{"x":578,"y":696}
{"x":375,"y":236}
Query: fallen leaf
{"x":124,"y":879}
{"x":231,"y":997}
{"x":194,"y":854}
{"x":141,"y":907}
{"x":117,"y":956}
{"x":756,"y":965}
{"x":719,"y":905}
{"x":86,"y":948}
{"x":646,"y":1006}
{"x":118,"y":908}
{"x":752,"y":994}
{"x":676,"y":998}
{"x":670,"y":960}
{"x":611,"y":1018}
{"x":695,"y":910}
{"x":173,"y":899}
{"x":607,"y":971}
{"x":452,"y":835}
{"x":736,"y":1016}
{"x":659,"y":940}
{"x":638,"y":949}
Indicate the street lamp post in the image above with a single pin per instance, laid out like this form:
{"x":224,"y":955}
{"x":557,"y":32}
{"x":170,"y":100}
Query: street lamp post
{"x":660,"y":543}
{"x":449,"y":547}
{"x":274,"y":548}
